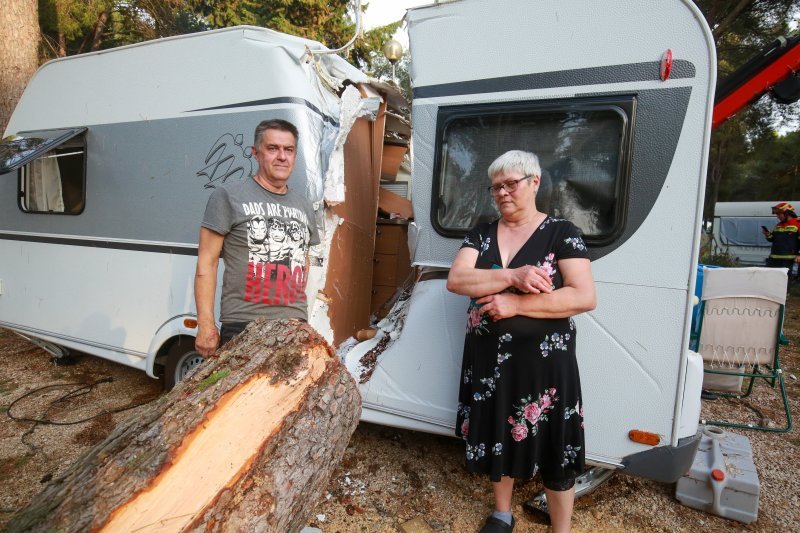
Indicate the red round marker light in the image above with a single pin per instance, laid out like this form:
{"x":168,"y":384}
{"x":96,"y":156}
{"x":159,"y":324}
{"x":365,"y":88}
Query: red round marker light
{"x":666,"y":64}
{"x":717,"y":474}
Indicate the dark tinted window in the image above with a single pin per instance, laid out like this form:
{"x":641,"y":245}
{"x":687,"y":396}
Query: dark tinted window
{"x":581,"y":148}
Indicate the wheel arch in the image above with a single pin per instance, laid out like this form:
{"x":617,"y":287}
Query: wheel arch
{"x":167,"y":335}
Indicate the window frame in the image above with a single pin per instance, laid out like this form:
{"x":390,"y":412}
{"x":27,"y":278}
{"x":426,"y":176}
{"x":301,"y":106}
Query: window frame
{"x":70,"y":135}
{"x":623,"y":105}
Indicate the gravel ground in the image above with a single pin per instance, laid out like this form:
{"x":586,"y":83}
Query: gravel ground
{"x":390,"y":480}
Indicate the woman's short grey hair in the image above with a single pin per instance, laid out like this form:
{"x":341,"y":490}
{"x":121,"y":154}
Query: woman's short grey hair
{"x":516,"y":161}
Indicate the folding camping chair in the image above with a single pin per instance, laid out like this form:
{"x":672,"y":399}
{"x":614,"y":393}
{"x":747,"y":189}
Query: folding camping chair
{"x":741,"y":318}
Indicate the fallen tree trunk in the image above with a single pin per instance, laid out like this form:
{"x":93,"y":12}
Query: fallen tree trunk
{"x":247,"y":443}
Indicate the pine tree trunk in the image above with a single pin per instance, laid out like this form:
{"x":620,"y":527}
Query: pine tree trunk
{"x":19,"y":46}
{"x":247,"y":443}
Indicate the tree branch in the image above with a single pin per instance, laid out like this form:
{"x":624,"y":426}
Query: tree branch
{"x":98,"y":30}
{"x":730,"y":18}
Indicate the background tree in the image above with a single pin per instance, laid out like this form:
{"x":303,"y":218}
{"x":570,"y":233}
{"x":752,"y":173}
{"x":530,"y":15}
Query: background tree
{"x":78,"y":26}
{"x":382,"y":70}
{"x":741,"y":29}
{"x":19,"y":41}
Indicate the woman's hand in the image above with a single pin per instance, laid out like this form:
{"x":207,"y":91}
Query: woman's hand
{"x":531,"y":279}
{"x":499,"y":306}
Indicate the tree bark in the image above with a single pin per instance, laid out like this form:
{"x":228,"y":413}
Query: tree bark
{"x":98,"y":31}
{"x":19,"y":45}
{"x":248,"y":442}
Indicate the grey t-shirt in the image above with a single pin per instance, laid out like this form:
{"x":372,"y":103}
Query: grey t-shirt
{"x":267,"y":237}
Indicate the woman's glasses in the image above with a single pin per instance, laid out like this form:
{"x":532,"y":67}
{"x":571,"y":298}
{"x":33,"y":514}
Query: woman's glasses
{"x":510,"y":186}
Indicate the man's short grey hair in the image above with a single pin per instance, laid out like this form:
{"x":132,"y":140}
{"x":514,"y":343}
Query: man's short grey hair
{"x":516,"y":161}
{"x":273,"y":124}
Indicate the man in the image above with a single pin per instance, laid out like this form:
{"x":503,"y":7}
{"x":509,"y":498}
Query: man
{"x":236,"y":227}
{"x":785,"y":238}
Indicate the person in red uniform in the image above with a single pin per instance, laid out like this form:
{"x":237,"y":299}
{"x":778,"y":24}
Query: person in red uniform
{"x":785,"y":238}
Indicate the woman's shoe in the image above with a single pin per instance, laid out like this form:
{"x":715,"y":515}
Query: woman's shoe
{"x":495,"y":525}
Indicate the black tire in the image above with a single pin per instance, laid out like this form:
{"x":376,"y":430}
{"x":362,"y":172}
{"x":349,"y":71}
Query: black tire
{"x":182,"y":358}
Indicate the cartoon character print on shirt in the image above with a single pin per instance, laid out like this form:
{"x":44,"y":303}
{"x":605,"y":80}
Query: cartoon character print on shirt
{"x":300,"y":237}
{"x":280,"y":247}
{"x":257,"y":239}
{"x":277,"y":238}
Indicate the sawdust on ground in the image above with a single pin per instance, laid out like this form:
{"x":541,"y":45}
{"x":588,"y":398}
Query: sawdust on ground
{"x":388,"y":477}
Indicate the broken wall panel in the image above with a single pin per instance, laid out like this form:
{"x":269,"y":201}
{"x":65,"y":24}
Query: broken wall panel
{"x":349,"y":278}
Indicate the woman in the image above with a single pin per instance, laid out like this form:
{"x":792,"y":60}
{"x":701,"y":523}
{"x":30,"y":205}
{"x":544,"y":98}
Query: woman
{"x":520,"y":408}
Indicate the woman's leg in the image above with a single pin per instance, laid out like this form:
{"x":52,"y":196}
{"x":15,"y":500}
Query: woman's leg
{"x":559,"y":505}
{"x":502,"y":494}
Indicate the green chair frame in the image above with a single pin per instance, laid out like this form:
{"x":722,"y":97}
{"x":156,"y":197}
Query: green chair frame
{"x":773,"y":375}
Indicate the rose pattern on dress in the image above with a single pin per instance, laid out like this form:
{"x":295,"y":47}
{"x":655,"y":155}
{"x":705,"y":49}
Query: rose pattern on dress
{"x":476,"y":321}
{"x":531,"y":412}
{"x":549,"y":265}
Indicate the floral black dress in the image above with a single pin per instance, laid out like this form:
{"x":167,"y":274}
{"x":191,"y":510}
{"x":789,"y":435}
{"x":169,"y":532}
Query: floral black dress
{"x":520,"y":409}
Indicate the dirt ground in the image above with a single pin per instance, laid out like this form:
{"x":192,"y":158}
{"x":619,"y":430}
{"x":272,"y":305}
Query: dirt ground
{"x":389,"y":479}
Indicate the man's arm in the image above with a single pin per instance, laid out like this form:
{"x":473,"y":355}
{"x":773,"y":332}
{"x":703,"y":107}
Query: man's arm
{"x":205,"y":286}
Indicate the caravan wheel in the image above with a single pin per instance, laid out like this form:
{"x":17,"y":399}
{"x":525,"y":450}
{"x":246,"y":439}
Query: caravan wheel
{"x":182,"y":358}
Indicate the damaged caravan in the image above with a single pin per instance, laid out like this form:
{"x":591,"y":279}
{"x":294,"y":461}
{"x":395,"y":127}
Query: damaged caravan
{"x":111,"y":159}
{"x":615,"y":97}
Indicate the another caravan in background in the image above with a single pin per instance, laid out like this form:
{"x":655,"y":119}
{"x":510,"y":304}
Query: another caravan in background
{"x":737,"y":231}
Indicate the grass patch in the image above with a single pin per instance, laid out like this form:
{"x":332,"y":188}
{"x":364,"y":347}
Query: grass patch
{"x":22,"y":460}
{"x":212,"y":379}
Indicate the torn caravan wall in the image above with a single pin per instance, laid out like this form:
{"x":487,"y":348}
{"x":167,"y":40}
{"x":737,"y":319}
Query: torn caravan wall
{"x":351,"y":107}
{"x":388,"y":330}
{"x":348,"y":285}
{"x":343,"y":305}
{"x":319,"y":302}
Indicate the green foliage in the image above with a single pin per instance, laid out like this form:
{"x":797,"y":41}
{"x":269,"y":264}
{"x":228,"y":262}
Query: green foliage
{"x":226,"y":13}
{"x":78,"y":26}
{"x":723,"y":259}
{"x":71,"y":27}
{"x":741,"y":29}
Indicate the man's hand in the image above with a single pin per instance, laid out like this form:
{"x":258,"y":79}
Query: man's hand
{"x":207,"y":339}
{"x":531,"y":279}
{"x":499,"y":306}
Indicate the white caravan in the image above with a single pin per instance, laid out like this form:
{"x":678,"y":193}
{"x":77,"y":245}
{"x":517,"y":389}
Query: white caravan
{"x":737,"y":230}
{"x":615,"y":97}
{"x":112,"y":156}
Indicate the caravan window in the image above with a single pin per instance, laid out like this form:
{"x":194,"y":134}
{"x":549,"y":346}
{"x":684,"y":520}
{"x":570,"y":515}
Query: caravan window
{"x":52,"y":170}
{"x":582,"y":147}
